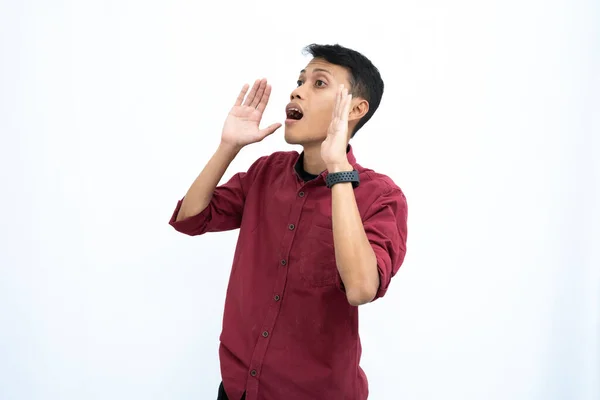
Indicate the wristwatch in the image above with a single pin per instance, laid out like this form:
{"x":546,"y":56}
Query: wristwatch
{"x":345,"y":176}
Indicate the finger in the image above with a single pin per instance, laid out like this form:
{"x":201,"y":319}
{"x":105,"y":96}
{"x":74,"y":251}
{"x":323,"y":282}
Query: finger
{"x":240,"y":98}
{"x":348,"y":103}
{"x":345,"y":103}
{"x":338,"y":102}
{"x":265,"y":99}
{"x":270,"y":129}
{"x":252,"y":94}
{"x":259,"y":93}
{"x":334,"y":113}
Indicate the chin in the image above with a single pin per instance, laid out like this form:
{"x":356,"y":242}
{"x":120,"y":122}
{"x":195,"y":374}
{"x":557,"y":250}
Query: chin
{"x":297,"y":135}
{"x":292,"y":137}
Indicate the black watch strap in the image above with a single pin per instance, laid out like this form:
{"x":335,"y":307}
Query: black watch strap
{"x":345,"y":176}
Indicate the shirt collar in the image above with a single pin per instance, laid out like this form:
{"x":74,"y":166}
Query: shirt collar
{"x":298,"y":166}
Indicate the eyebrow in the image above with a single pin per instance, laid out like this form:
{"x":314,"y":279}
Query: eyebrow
{"x":317,"y":70}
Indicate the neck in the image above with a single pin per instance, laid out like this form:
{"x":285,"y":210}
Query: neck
{"x":313,"y":163}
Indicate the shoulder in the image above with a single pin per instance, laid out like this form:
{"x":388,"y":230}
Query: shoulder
{"x":378,"y":183}
{"x":274,"y":161}
{"x":378,"y":191}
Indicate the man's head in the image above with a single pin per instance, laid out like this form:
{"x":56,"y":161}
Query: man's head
{"x":318,"y":84}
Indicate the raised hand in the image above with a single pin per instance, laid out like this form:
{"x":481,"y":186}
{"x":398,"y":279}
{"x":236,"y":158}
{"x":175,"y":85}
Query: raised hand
{"x":333,"y":148}
{"x":242,"y":124}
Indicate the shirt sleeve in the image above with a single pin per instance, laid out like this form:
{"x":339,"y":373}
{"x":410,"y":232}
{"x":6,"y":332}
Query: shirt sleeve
{"x":385,"y":224}
{"x":224,"y":212}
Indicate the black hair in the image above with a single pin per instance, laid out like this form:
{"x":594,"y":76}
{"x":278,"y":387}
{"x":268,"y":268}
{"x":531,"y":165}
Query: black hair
{"x":365,"y":80}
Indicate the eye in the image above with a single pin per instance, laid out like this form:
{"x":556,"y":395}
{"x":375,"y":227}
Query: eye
{"x":319,"y":83}
{"x":299,"y":82}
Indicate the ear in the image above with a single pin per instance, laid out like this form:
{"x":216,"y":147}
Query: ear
{"x":360,"y":107}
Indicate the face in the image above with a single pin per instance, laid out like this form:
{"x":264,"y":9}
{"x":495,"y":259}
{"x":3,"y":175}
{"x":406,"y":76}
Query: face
{"x":314,"y":97}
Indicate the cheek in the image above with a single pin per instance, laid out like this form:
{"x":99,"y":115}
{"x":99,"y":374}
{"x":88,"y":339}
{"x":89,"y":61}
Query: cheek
{"x":324,"y":113}
{"x":320,"y":120}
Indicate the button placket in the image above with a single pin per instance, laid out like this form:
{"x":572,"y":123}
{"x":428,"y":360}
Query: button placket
{"x":287,"y":238}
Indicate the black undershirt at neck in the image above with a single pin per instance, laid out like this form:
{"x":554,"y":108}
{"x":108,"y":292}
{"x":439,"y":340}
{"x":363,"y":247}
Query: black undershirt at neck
{"x":305,"y":176}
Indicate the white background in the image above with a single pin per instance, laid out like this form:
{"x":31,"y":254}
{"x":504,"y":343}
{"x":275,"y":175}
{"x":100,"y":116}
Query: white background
{"x":489,"y":123}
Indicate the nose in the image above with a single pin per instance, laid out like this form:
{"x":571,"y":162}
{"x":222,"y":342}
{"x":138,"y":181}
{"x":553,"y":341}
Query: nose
{"x":297,"y":93}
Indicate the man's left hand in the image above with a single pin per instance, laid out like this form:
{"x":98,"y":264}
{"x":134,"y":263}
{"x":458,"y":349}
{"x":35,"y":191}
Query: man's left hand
{"x":333,"y":149}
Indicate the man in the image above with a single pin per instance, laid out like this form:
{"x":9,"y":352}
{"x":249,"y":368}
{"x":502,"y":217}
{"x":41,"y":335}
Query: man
{"x":319,"y":235}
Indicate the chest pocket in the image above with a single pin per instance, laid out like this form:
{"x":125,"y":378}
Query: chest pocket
{"x":317,"y":258}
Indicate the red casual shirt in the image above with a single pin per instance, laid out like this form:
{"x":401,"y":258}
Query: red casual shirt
{"x":288,"y":329}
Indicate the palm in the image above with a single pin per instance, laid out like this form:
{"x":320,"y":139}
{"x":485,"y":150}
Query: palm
{"x":242,"y":124}
{"x":243,"y":120}
{"x":333,"y":148}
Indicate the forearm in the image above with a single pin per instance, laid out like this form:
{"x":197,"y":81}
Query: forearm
{"x":356,"y":261}
{"x":200,"y":192}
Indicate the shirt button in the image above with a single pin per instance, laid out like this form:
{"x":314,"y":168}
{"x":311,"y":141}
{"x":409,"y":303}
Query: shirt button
{"x":253,"y":372}
{"x":283,"y":262}
{"x":265,"y":334}
{"x":291,"y":226}
{"x":301,"y":194}
{"x":276,"y":298}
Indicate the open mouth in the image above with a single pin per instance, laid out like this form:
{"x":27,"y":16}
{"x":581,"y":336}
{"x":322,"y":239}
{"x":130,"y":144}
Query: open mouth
{"x":294,"y":112}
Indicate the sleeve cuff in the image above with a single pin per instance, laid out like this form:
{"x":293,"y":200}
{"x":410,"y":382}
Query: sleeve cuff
{"x":384,"y":268}
{"x":194,"y":225}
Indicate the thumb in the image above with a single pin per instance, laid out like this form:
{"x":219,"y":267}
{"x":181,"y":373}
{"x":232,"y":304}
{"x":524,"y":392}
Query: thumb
{"x":269,"y":129}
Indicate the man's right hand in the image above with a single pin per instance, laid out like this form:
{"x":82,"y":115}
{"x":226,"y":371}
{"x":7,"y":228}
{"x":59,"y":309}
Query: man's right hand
{"x":241,"y":126}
